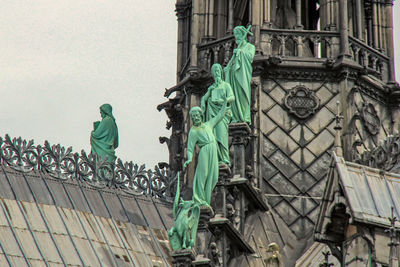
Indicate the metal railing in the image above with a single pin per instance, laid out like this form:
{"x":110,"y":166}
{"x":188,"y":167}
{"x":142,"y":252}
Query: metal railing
{"x":62,"y":163}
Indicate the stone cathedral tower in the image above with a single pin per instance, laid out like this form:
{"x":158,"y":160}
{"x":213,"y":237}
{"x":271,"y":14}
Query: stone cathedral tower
{"x":310,"y":54}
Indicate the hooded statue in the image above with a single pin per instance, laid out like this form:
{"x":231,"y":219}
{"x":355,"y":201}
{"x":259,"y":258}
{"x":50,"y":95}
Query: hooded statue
{"x":104,"y":137}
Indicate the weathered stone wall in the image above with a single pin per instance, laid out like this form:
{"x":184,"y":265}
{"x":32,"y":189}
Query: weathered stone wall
{"x":372,"y":119}
{"x":294,"y":152}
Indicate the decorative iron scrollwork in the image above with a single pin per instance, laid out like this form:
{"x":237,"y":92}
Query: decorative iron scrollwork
{"x":301,"y":102}
{"x":61,"y":163}
{"x":370,"y":118}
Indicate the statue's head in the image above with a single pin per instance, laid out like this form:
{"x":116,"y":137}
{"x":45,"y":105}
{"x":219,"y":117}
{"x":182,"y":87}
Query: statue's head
{"x":197,"y":115}
{"x":106,"y":110}
{"x":216,"y":71}
{"x":273,"y":247}
{"x":240,"y":33}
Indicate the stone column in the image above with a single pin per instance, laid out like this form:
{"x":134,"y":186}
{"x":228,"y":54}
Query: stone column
{"x":256,"y":21}
{"x":230,"y":17}
{"x":266,"y":13}
{"x":209,"y":22}
{"x":344,"y":33}
{"x":375,"y":24}
{"x":239,"y":133}
{"x":195,"y":32}
{"x":299,"y":26}
{"x":382,"y":26}
{"x":324,"y":14}
{"x":359,"y":20}
{"x":368,"y":18}
{"x":180,"y":13}
{"x":331,"y":13}
{"x":389,"y":45}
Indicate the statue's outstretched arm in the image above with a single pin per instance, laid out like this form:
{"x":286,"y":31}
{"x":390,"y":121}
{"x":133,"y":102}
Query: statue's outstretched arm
{"x":221,"y":114}
{"x":204,"y":100}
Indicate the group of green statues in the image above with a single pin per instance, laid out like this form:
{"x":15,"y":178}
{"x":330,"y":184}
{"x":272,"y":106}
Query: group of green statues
{"x":228,"y":100}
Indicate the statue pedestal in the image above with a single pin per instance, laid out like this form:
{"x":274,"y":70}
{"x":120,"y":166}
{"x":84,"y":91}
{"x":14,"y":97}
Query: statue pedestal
{"x":202,"y":262}
{"x":182,"y":258}
{"x":239,"y":133}
{"x":218,"y":200}
{"x":203,"y":234}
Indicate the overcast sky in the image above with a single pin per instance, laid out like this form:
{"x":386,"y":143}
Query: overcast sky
{"x":61,"y":59}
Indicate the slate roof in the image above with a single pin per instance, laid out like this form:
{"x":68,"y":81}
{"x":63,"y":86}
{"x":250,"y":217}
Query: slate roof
{"x":52,"y":222}
{"x":369,"y":193}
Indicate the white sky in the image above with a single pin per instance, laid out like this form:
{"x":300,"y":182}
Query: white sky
{"x":61,"y":59}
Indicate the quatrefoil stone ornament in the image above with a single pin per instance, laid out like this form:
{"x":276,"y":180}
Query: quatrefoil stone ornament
{"x":301,"y":102}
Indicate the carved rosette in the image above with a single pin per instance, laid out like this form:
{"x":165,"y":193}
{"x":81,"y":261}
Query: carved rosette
{"x":301,"y":102}
{"x":370,"y":118}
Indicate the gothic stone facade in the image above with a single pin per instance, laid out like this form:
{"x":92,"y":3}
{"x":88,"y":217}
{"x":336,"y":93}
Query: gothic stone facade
{"x":310,"y":55}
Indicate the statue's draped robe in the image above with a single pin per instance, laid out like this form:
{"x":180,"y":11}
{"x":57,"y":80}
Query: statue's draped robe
{"x":104,"y":139}
{"x":206,"y":175}
{"x":217,"y":93}
{"x":238,"y":74}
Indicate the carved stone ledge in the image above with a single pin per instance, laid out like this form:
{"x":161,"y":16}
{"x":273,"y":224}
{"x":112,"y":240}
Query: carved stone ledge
{"x":182,"y":258}
{"x":202,"y":262}
{"x":252,"y":194}
{"x":236,"y":238}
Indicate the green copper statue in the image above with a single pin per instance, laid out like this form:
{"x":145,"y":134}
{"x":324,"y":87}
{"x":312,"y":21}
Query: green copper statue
{"x":104,"y":137}
{"x":186,"y":215}
{"x":202,"y":134}
{"x":211,"y":104}
{"x":238,"y":74}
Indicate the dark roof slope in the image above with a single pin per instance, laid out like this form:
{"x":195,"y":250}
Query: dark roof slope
{"x":368,"y":194}
{"x":60,"y":208}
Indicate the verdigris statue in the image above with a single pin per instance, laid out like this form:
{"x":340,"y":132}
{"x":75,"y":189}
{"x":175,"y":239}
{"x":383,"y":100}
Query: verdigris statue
{"x":186,"y":215}
{"x":201,"y":133}
{"x":104,"y":137}
{"x":211,"y":104}
{"x":238,"y":74}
